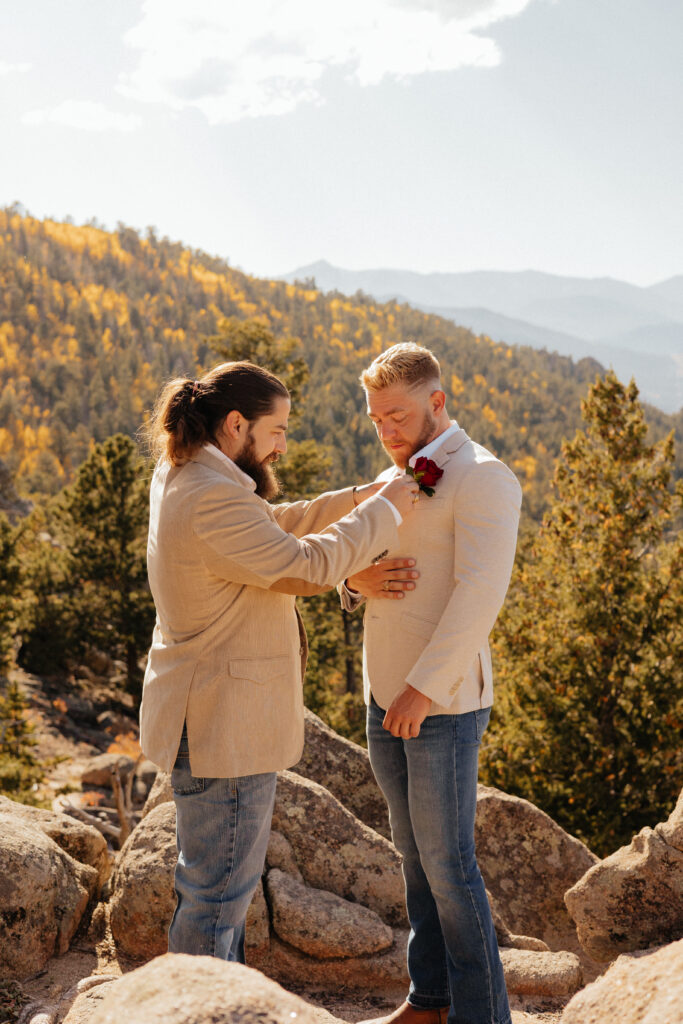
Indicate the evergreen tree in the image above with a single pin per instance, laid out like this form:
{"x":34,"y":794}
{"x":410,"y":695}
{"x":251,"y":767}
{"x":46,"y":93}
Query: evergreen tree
{"x":590,"y":644}
{"x":250,"y":340}
{"x":19,"y":769}
{"x":106,"y":513}
{"x":10,"y":579}
{"x":88,"y":575}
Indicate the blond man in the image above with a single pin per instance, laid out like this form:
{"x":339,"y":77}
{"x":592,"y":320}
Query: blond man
{"x":428,"y":681}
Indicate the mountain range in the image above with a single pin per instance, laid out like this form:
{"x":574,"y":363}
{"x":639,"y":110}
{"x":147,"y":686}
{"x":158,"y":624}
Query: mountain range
{"x":636,"y":331}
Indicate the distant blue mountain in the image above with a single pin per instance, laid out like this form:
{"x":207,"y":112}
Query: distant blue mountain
{"x":636,"y":331}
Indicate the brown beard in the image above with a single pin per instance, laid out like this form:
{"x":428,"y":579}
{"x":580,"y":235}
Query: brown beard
{"x":262,"y":473}
{"x":425,"y":436}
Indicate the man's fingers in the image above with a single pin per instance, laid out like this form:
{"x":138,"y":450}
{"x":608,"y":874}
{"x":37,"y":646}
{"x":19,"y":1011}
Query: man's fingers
{"x":401,"y":728}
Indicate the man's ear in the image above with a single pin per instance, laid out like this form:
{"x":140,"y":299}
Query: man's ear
{"x":234,"y":425}
{"x":437,"y":401}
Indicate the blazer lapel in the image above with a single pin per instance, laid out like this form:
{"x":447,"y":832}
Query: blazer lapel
{"x":449,"y":447}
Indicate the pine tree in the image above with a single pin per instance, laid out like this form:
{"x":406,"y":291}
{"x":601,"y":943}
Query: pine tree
{"x":19,"y":769}
{"x":590,"y":644}
{"x":10,"y":581}
{"x":252,"y":341}
{"x":87,"y":571}
{"x":106,"y":514}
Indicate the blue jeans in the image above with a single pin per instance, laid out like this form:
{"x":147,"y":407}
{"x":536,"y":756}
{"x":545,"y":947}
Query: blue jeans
{"x":430,"y":785}
{"x":222,"y":831}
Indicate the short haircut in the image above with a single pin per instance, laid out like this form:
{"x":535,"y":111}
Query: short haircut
{"x":406,"y":363}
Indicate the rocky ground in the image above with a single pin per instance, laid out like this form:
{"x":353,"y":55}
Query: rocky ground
{"x":328,"y":923}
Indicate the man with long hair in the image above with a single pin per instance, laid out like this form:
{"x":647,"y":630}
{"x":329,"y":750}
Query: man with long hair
{"x":222,"y":704}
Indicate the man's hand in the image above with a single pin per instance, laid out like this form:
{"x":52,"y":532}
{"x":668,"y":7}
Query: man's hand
{"x":406,"y":713}
{"x":388,"y":578}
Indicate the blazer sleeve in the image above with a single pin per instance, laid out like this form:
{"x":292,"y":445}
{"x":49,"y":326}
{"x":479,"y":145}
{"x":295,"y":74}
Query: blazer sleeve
{"x":302,"y":517}
{"x":486,"y":516}
{"x":350,"y":599}
{"x":244,"y":545}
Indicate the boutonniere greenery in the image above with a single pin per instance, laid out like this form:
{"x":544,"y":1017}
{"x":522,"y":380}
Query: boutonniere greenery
{"x":426,"y":473}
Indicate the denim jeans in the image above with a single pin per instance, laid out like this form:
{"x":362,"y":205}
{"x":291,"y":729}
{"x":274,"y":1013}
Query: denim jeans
{"x":222,"y":831}
{"x":430,"y":785}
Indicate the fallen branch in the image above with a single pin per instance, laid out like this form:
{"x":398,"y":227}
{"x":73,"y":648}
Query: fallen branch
{"x":125,"y":829}
{"x":77,"y":812}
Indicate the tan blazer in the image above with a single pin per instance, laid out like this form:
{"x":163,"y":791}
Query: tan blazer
{"x":464,"y":540}
{"x":226,"y":650}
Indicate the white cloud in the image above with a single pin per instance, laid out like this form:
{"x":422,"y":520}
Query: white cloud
{"x":12,"y":69}
{"x":86,"y":116}
{"x":235,"y":60}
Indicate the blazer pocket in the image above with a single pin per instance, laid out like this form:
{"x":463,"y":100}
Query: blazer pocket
{"x":421,"y":627}
{"x":260,"y":670}
{"x":426,"y":502}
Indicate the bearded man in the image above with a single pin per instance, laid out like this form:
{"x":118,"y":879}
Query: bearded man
{"x":222,"y":703}
{"x":428,"y":681}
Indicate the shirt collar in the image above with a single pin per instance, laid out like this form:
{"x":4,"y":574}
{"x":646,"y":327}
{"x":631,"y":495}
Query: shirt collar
{"x":430,"y":448}
{"x":243,"y":477}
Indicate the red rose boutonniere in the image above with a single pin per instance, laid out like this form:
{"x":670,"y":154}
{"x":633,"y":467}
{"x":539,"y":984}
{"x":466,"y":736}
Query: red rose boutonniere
{"x":427,"y":474}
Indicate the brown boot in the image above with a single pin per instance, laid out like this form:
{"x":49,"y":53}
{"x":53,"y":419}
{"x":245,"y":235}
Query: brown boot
{"x":407,"y":1014}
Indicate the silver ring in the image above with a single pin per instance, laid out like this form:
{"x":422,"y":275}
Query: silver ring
{"x":385,"y":585}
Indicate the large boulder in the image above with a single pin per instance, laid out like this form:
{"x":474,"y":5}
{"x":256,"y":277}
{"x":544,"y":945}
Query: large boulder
{"x":322,"y":924}
{"x":343,"y":768}
{"x":43,"y":895}
{"x":634,"y":898}
{"x":160,"y":793}
{"x":528,"y":863}
{"x":257,"y":933}
{"x":82,"y":842}
{"x":505,"y":937}
{"x":533,"y":973}
{"x":181,"y":989}
{"x":640,"y":988}
{"x":382,"y":974}
{"x":337,"y":852}
{"x":143,"y":897}
{"x":281,"y":855}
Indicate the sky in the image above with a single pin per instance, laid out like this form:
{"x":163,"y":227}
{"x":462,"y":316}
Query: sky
{"x":431,"y":135}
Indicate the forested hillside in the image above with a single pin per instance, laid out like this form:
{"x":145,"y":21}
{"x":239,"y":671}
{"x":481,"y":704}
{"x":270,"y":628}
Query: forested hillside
{"x":589,"y":646}
{"x":91,"y":322}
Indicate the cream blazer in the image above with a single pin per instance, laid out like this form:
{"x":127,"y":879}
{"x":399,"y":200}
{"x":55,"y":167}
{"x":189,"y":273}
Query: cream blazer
{"x":225,"y":654}
{"x":464,"y":540}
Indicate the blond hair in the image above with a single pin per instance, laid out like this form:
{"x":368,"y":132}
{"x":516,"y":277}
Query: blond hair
{"x":405,"y":363}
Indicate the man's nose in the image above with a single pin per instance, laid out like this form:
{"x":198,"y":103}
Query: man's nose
{"x":386,"y":431}
{"x":281,"y":445}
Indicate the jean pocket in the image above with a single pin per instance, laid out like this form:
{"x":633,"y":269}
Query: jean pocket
{"x":183,"y":782}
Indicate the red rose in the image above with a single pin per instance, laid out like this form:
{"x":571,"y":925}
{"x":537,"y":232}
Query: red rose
{"x":427,"y":473}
